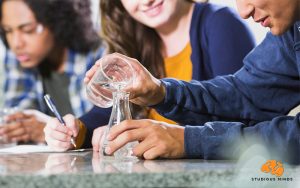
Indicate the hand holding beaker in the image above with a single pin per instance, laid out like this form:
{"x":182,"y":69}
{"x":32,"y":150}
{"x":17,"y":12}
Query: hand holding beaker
{"x":144,"y":89}
{"x":113,"y":73}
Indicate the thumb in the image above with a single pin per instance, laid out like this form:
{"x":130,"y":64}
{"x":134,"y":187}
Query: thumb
{"x":71,"y":124}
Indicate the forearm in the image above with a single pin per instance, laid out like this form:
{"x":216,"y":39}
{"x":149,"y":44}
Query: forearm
{"x":227,"y":98}
{"x":226,"y":140}
{"x":197,"y":103}
{"x":267,"y":86}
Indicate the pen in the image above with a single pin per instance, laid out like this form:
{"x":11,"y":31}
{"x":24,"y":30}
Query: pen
{"x":52,"y":107}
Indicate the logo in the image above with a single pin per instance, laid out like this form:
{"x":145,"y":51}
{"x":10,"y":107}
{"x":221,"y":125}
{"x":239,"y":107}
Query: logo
{"x":274,"y":167}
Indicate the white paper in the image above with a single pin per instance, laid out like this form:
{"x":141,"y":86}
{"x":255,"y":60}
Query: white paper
{"x":32,"y":149}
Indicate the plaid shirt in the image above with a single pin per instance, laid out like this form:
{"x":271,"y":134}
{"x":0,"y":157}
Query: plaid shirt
{"x":23,"y":87}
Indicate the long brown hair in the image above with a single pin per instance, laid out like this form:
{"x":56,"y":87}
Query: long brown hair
{"x":125,"y":35}
{"x":121,"y":33}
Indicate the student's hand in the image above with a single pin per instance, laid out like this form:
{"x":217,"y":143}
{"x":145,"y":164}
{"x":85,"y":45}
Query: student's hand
{"x":23,"y":127}
{"x":57,"y":136}
{"x":146,"y":90}
{"x":98,"y":138}
{"x":156,"y":139}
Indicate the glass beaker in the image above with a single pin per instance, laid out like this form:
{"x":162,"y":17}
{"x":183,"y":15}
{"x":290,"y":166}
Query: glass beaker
{"x":114,"y":73}
{"x":4,"y":112}
{"x":120,"y":112}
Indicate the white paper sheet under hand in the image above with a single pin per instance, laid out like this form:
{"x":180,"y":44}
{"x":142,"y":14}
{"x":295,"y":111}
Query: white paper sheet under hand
{"x":32,"y":149}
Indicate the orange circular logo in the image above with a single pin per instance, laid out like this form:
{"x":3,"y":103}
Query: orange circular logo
{"x":274,"y":167}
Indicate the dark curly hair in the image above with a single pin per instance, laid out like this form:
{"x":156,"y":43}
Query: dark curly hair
{"x":68,"y":20}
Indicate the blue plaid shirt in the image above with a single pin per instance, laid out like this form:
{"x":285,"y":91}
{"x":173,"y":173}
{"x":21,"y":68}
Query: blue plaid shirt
{"x":23,"y":87}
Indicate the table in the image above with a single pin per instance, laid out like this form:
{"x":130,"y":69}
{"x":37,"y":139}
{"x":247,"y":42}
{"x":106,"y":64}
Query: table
{"x":88,"y":169}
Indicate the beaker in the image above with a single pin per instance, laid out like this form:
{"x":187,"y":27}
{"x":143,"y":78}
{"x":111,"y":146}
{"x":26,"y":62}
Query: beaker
{"x":114,"y":73}
{"x":4,"y":112}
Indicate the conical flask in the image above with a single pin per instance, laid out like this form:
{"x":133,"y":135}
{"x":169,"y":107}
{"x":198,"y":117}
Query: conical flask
{"x":120,"y":112}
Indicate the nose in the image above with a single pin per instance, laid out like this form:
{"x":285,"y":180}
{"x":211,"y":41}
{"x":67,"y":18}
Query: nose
{"x":245,"y":9}
{"x":16,"y":40}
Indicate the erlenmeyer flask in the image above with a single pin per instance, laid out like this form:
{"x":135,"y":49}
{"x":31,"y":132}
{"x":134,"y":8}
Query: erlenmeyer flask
{"x":120,"y":112}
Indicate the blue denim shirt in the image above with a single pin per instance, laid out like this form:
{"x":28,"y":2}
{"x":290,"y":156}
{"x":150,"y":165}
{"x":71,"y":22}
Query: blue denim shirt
{"x":254,"y":102}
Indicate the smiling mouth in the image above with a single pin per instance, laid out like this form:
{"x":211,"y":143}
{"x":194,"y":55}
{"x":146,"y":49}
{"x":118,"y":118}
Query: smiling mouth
{"x":154,"y":10}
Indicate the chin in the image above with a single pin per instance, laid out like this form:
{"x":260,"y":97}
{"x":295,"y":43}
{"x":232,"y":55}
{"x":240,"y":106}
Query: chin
{"x":156,"y":22}
{"x":28,"y":64}
{"x":280,"y":29}
{"x":154,"y":25}
{"x":276,"y":32}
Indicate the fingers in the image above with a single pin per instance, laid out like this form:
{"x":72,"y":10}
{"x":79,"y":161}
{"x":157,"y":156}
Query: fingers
{"x":123,"y":126}
{"x":97,"y":138}
{"x":58,"y":136}
{"x":23,"y":128}
{"x":147,"y":132}
{"x":124,"y":138}
{"x":90,"y":73}
{"x":55,"y":125}
{"x":156,"y":139}
{"x":17,"y":116}
{"x":23,"y":138}
{"x":151,"y":149}
{"x":35,"y":128}
{"x":152,"y":153}
{"x":70,"y":121}
{"x":142,"y":147}
{"x":16,"y":135}
{"x":14,"y":130}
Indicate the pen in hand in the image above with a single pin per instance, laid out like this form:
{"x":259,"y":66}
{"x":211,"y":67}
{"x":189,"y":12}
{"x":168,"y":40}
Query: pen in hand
{"x":52,"y":107}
